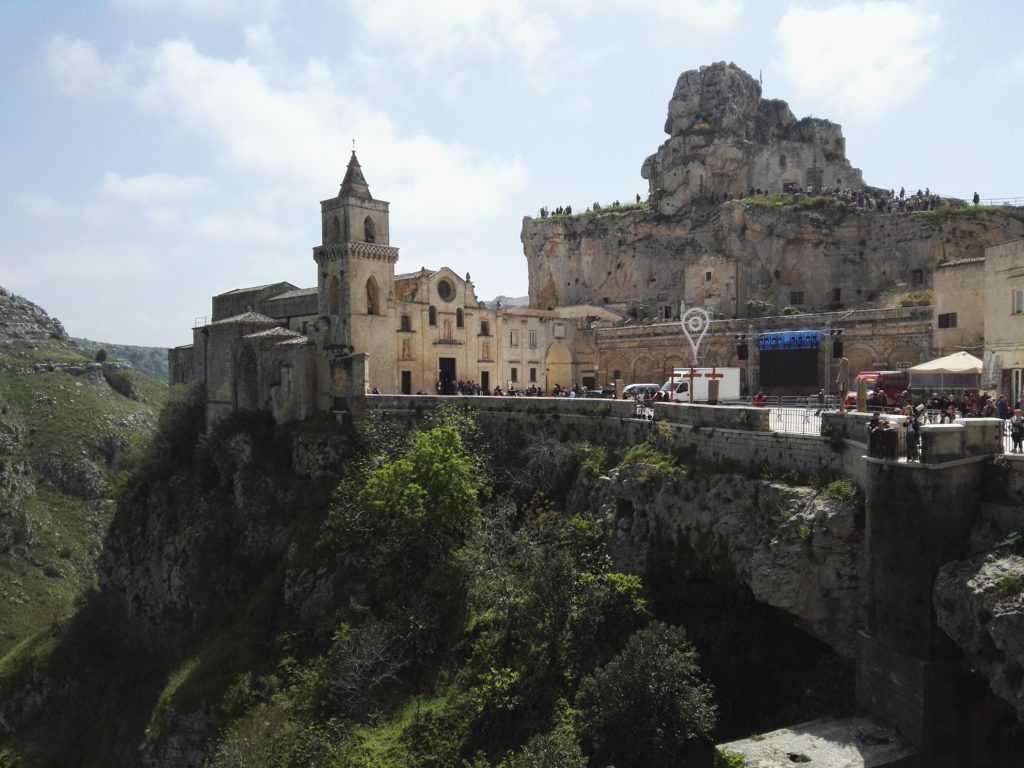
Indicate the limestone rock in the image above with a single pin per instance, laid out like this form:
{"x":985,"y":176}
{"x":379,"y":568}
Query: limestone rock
{"x":724,"y":138}
{"x":24,"y":323}
{"x":796,"y":550}
{"x":979,"y":603}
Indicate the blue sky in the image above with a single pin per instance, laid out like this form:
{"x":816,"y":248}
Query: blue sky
{"x":157,"y":152}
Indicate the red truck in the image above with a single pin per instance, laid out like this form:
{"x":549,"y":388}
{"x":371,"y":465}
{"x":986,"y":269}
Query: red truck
{"x":890,"y":382}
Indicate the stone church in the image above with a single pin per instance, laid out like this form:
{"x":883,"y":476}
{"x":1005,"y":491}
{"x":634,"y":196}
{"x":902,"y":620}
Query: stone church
{"x":298,"y":351}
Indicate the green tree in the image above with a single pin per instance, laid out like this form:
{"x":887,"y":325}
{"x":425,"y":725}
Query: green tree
{"x":649,"y":706}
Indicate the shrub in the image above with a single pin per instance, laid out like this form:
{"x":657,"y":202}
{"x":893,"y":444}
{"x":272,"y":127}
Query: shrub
{"x":594,"y":459}
{"x":649,"y":706}
{"x":842,"y":489}
{"x":1009,"y":585}
{"x":101,"y":355}
{"x":791,"y":311}
{"x":757,"y":307}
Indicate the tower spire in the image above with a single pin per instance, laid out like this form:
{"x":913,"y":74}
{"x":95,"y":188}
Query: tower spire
{"x":354,"y":184}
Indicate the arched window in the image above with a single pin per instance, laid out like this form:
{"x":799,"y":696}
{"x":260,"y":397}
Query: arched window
{"x":369,"y":230}
{"x":460,"y":319}
{"x":782,"y":162}
{"x":335,"y":237}
{"x":372,"y":297}
{"x":432,"y":316}
{"x":333,"y":297}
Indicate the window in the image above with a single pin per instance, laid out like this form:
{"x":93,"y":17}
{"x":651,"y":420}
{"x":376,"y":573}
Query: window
{"x":369,"y":230}
{"x":667,"y":311}
{"x":916,"y":277}
{"x":372,"y":305}
{"x":533,"y":375}
{"x":513,"y":338}
{"x":707,"y":276}
{"x":947,"y":320}
{"x":460,"y":318}
{"x":515,"y":374}
{"x":837,"y":294}
{"x":485,"y":328}
{"x":533,"y":339}
{"x":445,"y":290}
{"x":432,"y":316}
{"x":796,"y":298}
{"x":782,"y":162}
{"x":406,"y":323}
{"x":1018,"y":301}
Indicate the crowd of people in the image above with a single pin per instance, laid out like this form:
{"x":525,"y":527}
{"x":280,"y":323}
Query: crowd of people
{"x":871,"y":199}
{"x":938,"y":408}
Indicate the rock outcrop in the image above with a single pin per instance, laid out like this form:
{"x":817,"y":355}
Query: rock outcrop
{"x":724,"y":139}
{"x":695,"y":242}
{"x":979,"y":603}
{"x":23,"y":323}
{"x":797,"y":550}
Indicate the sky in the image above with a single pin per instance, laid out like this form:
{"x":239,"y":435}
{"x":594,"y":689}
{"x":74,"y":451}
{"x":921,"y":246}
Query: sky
{"x":158,"y":152}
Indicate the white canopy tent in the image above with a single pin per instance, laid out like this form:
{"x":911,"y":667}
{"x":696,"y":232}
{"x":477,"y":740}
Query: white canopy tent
{"x":960,"y":370}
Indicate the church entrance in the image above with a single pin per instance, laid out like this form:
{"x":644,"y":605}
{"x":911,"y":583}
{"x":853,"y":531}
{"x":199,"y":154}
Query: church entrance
{"x":446,"y":375}
{"x":406,"y":382}
{"x":485,"y":381}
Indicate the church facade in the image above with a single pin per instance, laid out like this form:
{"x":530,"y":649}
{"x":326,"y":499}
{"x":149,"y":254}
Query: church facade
{"x":297,"y":351}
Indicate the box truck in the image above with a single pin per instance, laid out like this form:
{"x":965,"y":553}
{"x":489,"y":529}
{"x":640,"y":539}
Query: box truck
{"x":678,"y":385}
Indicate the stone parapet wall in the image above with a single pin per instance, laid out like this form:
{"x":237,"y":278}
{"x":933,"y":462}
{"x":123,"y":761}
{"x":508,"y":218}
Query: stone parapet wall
{"x":710,"y":434}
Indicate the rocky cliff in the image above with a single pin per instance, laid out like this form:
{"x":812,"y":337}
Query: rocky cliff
{"x":835,"y":255}
{"x":797,"y":549}
{"x":724,"y":139}
{"x":979,"y":602}
{"x":697,"y":241}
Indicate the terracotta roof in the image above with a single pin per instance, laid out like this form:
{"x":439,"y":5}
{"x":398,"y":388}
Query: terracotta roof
{"x":246,"y":318}
{"x":254,"y":288}
{"x":295,"y":294}
{"x":961,"y":262}
{"x":275,"y":331}
{"x":527,"y":312}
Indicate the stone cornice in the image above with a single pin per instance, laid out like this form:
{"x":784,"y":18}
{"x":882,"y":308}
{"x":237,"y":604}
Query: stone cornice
{"x":355,"y":249}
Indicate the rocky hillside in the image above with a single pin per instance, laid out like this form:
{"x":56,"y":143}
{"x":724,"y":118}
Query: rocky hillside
{"x":67,"y":427}
{"x":150,"y":361}
{"x":720,"y":227}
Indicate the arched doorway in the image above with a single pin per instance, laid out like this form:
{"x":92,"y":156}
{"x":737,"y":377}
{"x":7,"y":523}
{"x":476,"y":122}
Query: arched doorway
{"x":558,"y":366}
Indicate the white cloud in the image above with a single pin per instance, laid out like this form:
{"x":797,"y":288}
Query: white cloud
{"x":428,"y":31}
{"x":866,"y":57}
{"x":154,"y":187}
{"x":42,"y":206}
{"x":198,"y":7}
{"x":90,"y":265}
{"x":239,"y":228}
{"x":259,"y":41}
{"x":78,"y":69}
{"x":707,"y":14}
{"x":302,"y":134}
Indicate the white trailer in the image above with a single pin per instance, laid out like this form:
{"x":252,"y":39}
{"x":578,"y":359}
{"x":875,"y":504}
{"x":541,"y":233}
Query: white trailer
{"x":727,"y":380}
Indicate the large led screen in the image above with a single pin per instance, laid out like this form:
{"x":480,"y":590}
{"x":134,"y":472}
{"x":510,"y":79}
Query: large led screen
{"x":789,"y":368}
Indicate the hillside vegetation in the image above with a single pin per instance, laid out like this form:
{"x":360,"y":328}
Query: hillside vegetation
{"x":67,"y":430}
{"x":309,"y":596}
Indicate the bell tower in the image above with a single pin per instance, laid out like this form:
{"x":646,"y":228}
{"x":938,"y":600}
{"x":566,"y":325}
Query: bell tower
{"x":355,"y":262}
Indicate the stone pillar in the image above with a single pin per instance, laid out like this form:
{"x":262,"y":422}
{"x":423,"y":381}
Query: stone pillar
{"x":909,"y":672}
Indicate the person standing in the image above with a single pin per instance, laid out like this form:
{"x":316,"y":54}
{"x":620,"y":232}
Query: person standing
{"x":1017,"y":431}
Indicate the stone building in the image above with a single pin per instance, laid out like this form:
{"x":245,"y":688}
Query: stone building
{"x":1004,"y":319}
{"x":297,"y":351}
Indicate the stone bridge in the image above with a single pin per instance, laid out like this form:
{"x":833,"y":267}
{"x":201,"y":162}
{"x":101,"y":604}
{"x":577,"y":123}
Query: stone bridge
{"x":919,"y":516}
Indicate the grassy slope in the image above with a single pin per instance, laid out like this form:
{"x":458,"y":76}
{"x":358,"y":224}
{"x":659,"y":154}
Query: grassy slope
{"x":57,"y":536}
